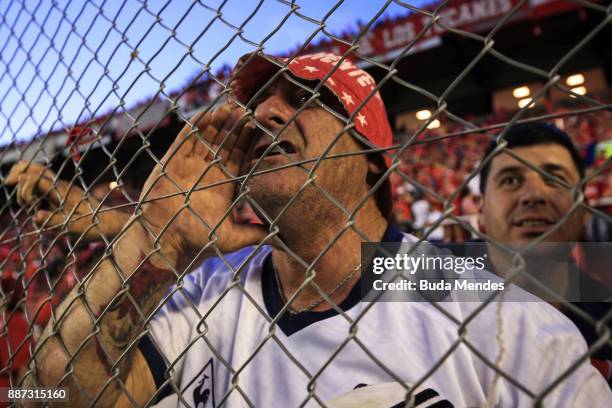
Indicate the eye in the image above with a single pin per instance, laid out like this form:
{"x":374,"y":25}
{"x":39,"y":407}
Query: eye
{"x":301,"y":97}
{"x":509,"y":181}
{"x":554,"y":183}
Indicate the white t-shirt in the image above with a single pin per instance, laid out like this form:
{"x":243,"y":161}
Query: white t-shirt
{"x":218,"y":346}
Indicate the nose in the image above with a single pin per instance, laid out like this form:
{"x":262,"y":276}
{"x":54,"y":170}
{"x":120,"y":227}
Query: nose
{"x":533,"y":191}
{"x":273,"y":112}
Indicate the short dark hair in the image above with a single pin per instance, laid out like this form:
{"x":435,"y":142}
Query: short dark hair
{"x":531,"y":134}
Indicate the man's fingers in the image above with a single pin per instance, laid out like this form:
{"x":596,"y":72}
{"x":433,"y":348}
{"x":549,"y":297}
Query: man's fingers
{"x":241,"y":146}
{"x":208,"y":125}
{"x":26,"y":184}
{"x":188,"y":139}
{"x":218,"y":129}
{"x":16,"y":170}
{"x":230,"y":133}
{"x":45,"y":187}
{"x":20,"y":168}
{"x":220,"y":116}
{"x":35,"y":186}
{"x":24,"y":167}
{"x":48,"y":219}
{"x":247,"y":135}
{"x":232,"y":125}
{"x":201,"y":119}
{"x":28,"y":178}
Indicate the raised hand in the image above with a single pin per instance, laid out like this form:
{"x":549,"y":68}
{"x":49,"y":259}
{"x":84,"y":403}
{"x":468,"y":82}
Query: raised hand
{"x":178,"y":198}
{"x":69,"y":205}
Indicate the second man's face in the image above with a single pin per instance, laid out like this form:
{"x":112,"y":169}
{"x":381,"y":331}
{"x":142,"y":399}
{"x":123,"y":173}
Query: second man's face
{"x":520,"y":204}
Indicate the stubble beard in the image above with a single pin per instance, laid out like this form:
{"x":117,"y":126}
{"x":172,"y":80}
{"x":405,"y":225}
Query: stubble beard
{"x":273,"y":191}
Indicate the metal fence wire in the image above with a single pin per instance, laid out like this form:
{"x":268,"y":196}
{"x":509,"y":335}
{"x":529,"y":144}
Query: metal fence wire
{"x":126,"y":276}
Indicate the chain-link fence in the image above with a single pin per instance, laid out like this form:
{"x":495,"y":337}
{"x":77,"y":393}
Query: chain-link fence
{"x":200,"y":244}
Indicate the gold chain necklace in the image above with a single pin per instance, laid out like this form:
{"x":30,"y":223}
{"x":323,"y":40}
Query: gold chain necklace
{"x":316,"y":303}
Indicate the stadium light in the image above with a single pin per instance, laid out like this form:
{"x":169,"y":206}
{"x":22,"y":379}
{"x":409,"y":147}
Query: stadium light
{"x":574,"y":80}
{"x":113,"y":185}
{"x":423,"y":114}
{"x":434,"y":124}
{"x":580,"y":90}
{"x":521,"y":92}
{"x":526,"y":101}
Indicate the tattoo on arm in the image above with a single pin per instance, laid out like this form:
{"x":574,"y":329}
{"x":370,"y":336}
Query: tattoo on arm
{"x":123,"y":320}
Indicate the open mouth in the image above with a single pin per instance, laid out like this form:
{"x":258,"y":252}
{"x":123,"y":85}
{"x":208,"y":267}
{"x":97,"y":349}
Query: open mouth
{"x":533,"y":223}
{"x":282,"y":146}
{"x":533,"y":227}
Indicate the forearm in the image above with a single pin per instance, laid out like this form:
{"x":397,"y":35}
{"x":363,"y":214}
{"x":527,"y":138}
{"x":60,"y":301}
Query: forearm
{"x":91,"y":225}
{"x":112,"y":221}
{"x":98,"y":323}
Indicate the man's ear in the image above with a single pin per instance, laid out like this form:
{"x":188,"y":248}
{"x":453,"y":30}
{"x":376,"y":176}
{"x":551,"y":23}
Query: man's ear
{"x":384,"y":195}
{"x":481,"y":224}
{"x":376,"y":165}
{"x":376,"y":168}
{"x":586,"y":218}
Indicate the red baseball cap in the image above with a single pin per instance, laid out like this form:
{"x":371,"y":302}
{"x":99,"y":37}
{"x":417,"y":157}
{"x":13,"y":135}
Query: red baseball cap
{"x":348,"y":83}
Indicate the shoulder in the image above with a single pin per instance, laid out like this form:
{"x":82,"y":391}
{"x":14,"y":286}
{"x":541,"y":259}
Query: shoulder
{"x":242,"y":260}
{"x":216,"y":274}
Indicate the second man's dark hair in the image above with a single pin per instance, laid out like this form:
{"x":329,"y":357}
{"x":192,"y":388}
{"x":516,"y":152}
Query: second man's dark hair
{"x":531,"y":134}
